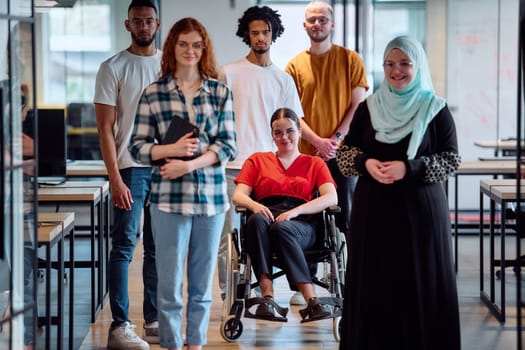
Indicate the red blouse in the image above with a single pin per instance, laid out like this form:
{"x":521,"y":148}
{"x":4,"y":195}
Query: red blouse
{"x":264,"y":173}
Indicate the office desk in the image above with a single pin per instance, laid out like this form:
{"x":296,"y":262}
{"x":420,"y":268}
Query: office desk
{"x":481,"y":167}
{"x":52,"y":228}
{"x":500,"y":192}
{"x":477,"y":167}
{"x":105,"y":223}
{"x":92,"y":197}
{"x":507,"y":147}
{"x":86,"y":168}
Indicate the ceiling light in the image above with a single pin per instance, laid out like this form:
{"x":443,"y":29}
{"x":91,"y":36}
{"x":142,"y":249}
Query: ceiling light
{"x":45,"y":3}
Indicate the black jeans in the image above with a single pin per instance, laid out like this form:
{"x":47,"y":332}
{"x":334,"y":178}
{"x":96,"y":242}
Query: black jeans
{"x":345,"y":193}
{"x":286,"y":239}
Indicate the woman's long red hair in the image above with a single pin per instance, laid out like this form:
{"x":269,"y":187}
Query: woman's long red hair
{"x":207,"y":65}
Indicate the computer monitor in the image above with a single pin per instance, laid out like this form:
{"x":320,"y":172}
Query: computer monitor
{"x":81,"y":115}
{"x":51,"y":145}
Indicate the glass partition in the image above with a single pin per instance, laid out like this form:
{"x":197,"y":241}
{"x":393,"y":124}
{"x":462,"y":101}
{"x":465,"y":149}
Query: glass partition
{"x":17,"y":231}
{"x":73,"y":42}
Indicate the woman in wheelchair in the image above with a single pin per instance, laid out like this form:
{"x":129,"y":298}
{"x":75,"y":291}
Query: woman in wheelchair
{"x":284,"y":190}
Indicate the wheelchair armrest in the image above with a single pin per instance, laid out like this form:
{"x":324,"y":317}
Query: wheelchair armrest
{"x":333,"y":209}
{"x":330,"y":210}
{"x":240,"y":209}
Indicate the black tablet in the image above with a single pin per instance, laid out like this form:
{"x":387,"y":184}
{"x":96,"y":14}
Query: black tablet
{"x":178,"y":128}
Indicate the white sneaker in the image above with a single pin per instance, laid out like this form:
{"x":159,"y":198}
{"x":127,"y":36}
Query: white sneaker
{"x":297,"y":299}
{"x":151,"y":332}
{"x":123,"y":337}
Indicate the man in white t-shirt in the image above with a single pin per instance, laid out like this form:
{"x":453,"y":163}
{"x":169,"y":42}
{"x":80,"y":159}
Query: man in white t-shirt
{"x":259,"y":88}
{"x":120,"y":82}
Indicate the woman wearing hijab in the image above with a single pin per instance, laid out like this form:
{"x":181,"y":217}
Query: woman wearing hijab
{"x":400,"y":290}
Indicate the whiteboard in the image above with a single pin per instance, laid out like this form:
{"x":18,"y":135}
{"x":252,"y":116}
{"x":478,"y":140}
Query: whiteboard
{"x":481,"y":77}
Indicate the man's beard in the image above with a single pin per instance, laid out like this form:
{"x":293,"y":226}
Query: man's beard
{"x":260,"y":51}
{"x":143,"y":43}
{"x":318,"y":39}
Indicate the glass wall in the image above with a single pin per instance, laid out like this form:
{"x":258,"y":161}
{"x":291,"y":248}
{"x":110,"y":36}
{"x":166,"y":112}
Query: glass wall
{"x":391,"y":19}
{"x":17,"y":125}
{"x":72,"y":43}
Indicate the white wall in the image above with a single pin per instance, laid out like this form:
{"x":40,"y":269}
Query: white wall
{"x":219,"y":19}
{"x":217,"y":16}
{"x":121,"y":35}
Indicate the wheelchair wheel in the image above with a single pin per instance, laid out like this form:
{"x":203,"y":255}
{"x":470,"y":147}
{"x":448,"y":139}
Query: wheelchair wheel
{"x":337,"y":324}
{"x":231,"y":329}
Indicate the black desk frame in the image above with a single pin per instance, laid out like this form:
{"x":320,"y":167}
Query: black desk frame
{"x":459,"y":173}
{"x":489,"y":298}
{"x":59,"y":265}
{"x":97,"y":258}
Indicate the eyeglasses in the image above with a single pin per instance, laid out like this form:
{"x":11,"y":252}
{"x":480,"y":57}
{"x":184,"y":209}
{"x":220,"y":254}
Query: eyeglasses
{"x":322,"y":20}
{"x":403,"y":65}
{"x":279,"y":134}
{"x":195,"y":46}
{"x":150,"y":22}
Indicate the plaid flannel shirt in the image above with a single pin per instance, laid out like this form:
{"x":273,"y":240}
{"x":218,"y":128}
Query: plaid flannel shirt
{"x":203,"y":191}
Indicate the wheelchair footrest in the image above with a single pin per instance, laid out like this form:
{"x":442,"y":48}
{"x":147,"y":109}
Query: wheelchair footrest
{"x":266,"y":313}
{"x":313,"y":313}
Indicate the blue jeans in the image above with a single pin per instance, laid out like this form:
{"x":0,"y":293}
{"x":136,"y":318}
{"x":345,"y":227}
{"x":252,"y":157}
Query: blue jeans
{"x":190,"y":241}
{"x":345,"y":193}
{"x":124,"y":238}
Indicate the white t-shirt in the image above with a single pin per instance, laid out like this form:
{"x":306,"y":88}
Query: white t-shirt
{"x":121,"y":79}
{"x":257,"y":93}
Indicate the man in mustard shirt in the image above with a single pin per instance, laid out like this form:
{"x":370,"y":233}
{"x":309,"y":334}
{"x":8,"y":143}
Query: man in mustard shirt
{"x":331,"y":82}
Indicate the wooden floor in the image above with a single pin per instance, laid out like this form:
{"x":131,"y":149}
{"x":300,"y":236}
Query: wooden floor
{"x":480,"y":330}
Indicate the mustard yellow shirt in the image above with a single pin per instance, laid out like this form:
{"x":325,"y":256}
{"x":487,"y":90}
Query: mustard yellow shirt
{"x":325,"y":83}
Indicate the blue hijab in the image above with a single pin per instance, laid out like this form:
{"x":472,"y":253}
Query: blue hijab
{"x":395,"y":113}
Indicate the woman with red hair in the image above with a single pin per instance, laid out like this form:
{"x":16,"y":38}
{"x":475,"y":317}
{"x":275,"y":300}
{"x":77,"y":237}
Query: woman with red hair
{"x":188,"y":191}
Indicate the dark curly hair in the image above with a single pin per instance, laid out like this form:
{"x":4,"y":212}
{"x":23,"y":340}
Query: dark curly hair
{"x":263,"y":13}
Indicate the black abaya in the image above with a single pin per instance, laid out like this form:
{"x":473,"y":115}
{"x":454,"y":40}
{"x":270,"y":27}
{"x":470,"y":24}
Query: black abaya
{"x":400,"y":290}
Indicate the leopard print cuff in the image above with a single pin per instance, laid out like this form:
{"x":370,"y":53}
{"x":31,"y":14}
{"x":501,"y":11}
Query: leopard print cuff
{"x":345,"y":158}
{"x":438,"y":167}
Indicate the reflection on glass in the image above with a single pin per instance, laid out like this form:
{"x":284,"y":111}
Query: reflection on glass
{"x":78,"y":39}
{"x":20,"y":7}
{"x":18,"y":232}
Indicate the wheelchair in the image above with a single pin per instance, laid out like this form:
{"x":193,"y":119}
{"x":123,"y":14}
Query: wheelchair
{"x":331,"y":251}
